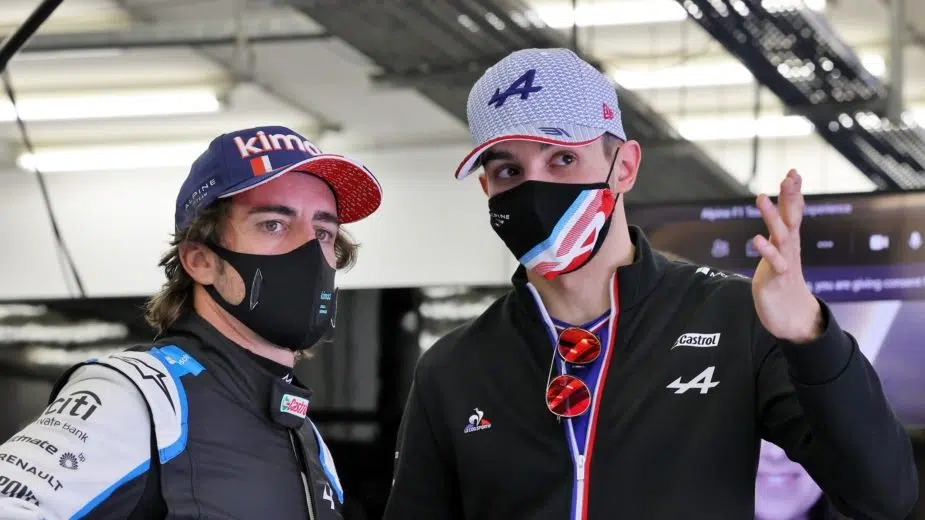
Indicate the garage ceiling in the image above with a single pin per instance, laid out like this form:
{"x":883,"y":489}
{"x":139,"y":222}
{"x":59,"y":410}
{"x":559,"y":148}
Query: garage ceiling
{"x":359,"y":75}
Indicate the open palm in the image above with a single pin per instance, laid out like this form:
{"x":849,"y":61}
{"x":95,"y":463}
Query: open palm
{"x":784,"y":303}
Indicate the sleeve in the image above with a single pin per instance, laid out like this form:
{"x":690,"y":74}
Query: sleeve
{"x":823,"y":404}
{"x":86,"y":456}
{"x":424,"y":484}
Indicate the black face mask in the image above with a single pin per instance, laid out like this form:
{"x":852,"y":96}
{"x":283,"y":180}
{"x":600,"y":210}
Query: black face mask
{"x":289,"y":299}
{"x":554,"y":228}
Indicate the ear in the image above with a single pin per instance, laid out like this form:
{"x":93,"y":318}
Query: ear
{"x":199,"y":262}
{"x":626,"y":167}
{"x":484,"y":182}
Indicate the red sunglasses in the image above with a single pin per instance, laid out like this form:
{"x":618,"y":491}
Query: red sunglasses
{"x":568,"y":396}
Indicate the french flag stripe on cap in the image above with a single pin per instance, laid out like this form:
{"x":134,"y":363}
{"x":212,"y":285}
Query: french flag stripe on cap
{"x":261,"y":165}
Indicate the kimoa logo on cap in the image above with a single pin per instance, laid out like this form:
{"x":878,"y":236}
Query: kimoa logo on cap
{"x":263,"y":143}
{"x":294,"y":405}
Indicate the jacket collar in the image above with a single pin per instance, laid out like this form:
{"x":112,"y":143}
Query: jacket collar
{"x":254,"y":386}
{"x":635,"y":281}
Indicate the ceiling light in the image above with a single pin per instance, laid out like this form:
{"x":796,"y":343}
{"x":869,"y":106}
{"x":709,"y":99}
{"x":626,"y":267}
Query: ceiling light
{"x":561,"y":16}
{"x":69,"y":54}
{"x":112,"y":157}
{"x":111,"y":105}
{"x":62,"y":333}
{"x":44,"y":355}
{"x":731,"y":73}
{"x":782,"y":5}
{"x":708,"y":75}
{"x":875,"y":64}
{"x":639,"y":12}
{"x":737,"y":128}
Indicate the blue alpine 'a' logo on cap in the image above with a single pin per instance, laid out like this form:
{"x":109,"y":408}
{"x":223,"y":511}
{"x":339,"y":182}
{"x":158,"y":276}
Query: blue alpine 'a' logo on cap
{"x":522,"y":86}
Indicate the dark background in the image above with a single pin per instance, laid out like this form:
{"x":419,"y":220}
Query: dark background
{"x":359,"y":379}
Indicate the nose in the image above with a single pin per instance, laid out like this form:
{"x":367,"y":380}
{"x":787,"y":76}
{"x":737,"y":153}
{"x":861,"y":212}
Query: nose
{"x":537,"y":172}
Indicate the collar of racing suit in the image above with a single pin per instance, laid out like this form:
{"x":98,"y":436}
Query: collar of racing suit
{"x":635,"y":282}
{"x":255,"y":387}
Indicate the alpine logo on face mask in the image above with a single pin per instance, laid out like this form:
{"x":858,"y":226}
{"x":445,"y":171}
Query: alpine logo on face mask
{"x":573,"y":239}
{"x":498,"y":219}
{"x":255,"y":289}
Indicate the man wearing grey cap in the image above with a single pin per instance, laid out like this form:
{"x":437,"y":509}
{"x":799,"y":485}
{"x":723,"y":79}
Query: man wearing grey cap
{"x":611,"y":382}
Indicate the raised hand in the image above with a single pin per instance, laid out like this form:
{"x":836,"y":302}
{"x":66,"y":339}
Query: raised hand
{"x":785,"y":305}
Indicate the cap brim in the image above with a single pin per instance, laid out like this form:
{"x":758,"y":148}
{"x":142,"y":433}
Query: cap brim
{"x":562,"y":135}
{"x":356,"y":189}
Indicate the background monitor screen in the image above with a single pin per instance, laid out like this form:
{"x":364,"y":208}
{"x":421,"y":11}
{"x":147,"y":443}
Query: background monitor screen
{"x":864,"y":254}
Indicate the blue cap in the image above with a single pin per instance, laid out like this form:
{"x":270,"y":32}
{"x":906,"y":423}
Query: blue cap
{"x":238,"y":161}
{"x":543,"y":95}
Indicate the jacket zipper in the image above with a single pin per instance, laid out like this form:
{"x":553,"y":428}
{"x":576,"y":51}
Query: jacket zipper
{"x":309,"y":498}
{"x":582,"y":460}
{"x":580,"y":486}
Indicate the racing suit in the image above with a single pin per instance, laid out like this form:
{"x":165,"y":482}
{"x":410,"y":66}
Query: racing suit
{"x":689,"y":383}
{"x":191,"y":425}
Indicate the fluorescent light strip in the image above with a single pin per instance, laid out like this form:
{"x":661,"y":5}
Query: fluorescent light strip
{"x":611,"y":13}
{"x":113,"y":157}
{"x":57,"y":356}
{"x":770,"y":127}
{"x":732,"y":73}
{"x":181,"y":155}
{"x":87,"y":332}
{"x":737,"y":128}
{"x":114,"y":105}
{"x":711,"y":75}
{"x":640,"y":12}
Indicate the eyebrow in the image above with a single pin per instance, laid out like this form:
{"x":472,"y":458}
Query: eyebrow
{"x":503,"y":155}
{"x":272,"y":208}
{"x":320,"y":216}
{"x":326,"y":216}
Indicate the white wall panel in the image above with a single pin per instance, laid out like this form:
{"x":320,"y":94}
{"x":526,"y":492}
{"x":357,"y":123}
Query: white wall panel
{"x":431,"y":229}
{"x":823,"y":169}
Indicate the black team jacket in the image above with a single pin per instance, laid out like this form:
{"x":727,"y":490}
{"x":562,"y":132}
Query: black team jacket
{"x":667,"y":442}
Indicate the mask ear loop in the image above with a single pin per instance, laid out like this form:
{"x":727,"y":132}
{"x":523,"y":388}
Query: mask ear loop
{"x":613,"y":162}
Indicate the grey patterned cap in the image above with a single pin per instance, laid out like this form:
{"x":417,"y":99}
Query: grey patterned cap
{"x":544,"y":95}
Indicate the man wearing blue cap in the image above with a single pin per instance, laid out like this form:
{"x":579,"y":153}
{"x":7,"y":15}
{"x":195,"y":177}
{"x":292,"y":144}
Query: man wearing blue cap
{"x":209,"y":422}
{"x":611,"y":382}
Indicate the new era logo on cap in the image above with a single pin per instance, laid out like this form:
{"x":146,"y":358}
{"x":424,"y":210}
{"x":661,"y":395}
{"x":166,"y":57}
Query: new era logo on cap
{"x":544,"y":95}
{"x":239,"y":161}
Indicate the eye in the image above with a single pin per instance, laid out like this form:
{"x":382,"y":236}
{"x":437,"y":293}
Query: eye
{"x":564,"y":159}
{"x":274,"y":227}
{"x":505,"y":172}
{"x":324,"y":235}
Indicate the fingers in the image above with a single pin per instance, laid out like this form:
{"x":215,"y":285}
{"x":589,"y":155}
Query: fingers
{"x":773,"y":220}
{"x":791,"y":200}
{"x":770,"y":253}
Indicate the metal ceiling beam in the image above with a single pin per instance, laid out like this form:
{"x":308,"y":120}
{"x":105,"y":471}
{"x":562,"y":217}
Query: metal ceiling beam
{"x":426,"y":46}
{"x":796,"y":54}
{"x":208,"y":52}
{"x":897,"y":63}
{"x":160,"y":35}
